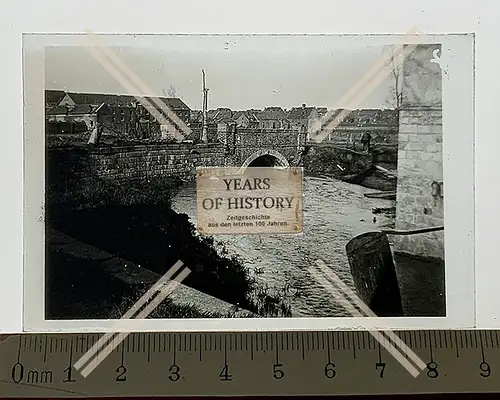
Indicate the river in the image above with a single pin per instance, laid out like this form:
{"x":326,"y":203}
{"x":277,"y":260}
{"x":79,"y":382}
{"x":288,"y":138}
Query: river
{"x":333,"y":212}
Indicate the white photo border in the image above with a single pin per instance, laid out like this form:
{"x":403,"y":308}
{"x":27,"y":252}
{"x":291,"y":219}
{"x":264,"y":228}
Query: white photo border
{"x":458,"y":155}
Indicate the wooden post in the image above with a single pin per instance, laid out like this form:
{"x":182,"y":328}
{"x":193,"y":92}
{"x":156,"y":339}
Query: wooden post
{"x":374,"y":273}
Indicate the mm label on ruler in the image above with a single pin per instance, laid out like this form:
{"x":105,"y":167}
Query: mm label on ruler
{"x":289,"y":363}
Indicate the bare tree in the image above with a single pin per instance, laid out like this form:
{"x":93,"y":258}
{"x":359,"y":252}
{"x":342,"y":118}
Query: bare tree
{"x":396,"y":66}
{"x":170,"y":92}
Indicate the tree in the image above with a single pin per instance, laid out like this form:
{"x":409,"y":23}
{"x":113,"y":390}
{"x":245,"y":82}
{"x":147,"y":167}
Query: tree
{"x":396,"y":65}
{"x":170,"y":92}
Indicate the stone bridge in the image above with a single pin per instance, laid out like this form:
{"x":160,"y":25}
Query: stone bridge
{"x":234,"y":148}
{"x":262,"y":148}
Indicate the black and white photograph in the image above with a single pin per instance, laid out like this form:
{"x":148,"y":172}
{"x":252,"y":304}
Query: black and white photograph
{"x":128,"y":120}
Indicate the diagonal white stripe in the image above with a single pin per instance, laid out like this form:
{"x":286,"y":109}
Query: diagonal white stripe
{"x":332,"y":277}
{"x":134,"y":79}
{"x":389,"y":347}
{"x":138,"y":304}
{"x":362,"y":89}
{"x":165,"y":291}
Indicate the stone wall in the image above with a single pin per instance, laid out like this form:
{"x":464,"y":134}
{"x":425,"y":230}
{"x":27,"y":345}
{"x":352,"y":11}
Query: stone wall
{"x":420,"y":157}
{"x":128,"y":163}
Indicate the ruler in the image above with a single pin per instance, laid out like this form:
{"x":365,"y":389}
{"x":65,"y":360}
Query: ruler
{"x":236,"y":364}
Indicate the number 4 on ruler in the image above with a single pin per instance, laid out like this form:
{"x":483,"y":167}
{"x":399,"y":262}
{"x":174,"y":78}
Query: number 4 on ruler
{"x":224,"y":374}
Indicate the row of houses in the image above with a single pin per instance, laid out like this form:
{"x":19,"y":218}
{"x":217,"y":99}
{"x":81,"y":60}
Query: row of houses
{"x":126,"y":116}
{"x":67,"y":112}
{"x":302,"y":117}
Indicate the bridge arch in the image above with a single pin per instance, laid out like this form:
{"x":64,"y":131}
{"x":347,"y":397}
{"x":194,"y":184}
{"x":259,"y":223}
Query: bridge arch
{"x":266,"y":157}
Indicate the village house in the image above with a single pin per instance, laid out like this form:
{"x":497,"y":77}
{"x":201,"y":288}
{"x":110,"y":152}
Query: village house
{"x":53,"y":98}
{"x":246,"y":119}
{"x":127,"y":115}
{"x":273,"y":118}
{"x":303,"y":117}
{"x":76,"y":120}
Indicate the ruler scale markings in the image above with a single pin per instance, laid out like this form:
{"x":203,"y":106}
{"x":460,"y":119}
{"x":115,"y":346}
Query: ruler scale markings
{"x":328,"y":352}
{"x":353,"y":337}
{"x":277,"y":351}
{"x":45,"y":349}
{"x":50,"y":345}
{"x":251,"y":346}
{"x":440,"y":339}
{"x":491,"y":339}
{"x":200,"y":350}
{"x":122,"y":355}
{"x":477,"y":341}
{"x":457,"y":345}
{"x":496,"y":339}
{"x":463,"y":338}
{"x":174,"y":352}
{"x":150,"y":346}
{"x":19,"y":347}
{"x":431,"y":353}
{"x":460,"y":340}
{"x":472,"y":339}
{"x":303,"y":347}
{"x":482,"y":348}
{"x":445,"y":337}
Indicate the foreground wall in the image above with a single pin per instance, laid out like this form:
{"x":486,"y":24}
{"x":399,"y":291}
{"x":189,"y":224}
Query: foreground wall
{"x":420,"y":157}
{"x":126,"y":163}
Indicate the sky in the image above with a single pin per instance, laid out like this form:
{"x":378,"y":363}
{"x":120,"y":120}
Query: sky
{"x":242,"y":72}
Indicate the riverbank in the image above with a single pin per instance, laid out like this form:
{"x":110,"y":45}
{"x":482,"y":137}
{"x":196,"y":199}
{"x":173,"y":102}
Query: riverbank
{"x":135,"y":222}
{"x":352,"y":166}
{"x":114,"y":285}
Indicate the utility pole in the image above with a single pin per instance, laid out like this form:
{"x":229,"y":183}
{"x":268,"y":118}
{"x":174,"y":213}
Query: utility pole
{"x":204,"y":134}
